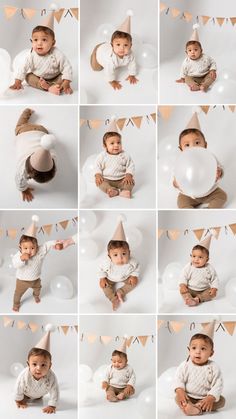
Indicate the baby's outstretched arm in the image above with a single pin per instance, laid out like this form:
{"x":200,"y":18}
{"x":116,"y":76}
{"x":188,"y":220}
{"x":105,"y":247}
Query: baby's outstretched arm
{"x":181,"y":397}
{"x":27,"y":195}
{"x":49,"y":409}
{"x":17,"y":85}
{"x":115,"y":84}
{"x":98,"y":179}
{"x":132,"y":79}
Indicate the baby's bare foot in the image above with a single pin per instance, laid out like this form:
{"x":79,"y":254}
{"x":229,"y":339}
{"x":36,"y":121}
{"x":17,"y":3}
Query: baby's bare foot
{"x":125,"y":194}
{"x":120,"y":296}
{"x":55,"y":89}
{"x":44,"y":84}
{"x":14,"y":308}
{"x":194,"y":87}
{"x":115,"y":303}
{"x":112,"y":398}
{"x":112,"y":192}
{"x":121,"y":396}
{"x":203,"y":88}
{"x":191,"y":302}
{"x":37,"y":299}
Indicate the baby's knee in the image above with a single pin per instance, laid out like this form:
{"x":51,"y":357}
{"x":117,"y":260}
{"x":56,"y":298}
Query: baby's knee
{"x":133,"y":280}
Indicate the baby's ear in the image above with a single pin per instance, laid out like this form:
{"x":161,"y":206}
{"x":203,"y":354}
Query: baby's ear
{"x":205,"y":144}
{"x":188,"y":348}
{"x":27,"y":363}
{"x":180,"y":148}
{"x":54,"y":42}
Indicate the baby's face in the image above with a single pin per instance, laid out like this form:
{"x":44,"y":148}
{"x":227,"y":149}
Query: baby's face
{"x":193,"y":51}
{"x":121,"y":46}
{"x":119,"y":256}
{"x":29,"y":247}
{"x":114,"y":145}
{"x":198,"y":258}
{"x":39,"y":366}
{"x":193,"y":139}
{"x":118,"y":362}
{"x":200,"y":351}
{"x":42,"y":42}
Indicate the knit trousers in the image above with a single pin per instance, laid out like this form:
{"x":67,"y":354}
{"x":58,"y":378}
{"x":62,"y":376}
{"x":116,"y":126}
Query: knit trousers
{"x":205,"y":81}
{"x":110,"y":291}
{"x":23,"y":124}
{"x":202,"y":295}
{"x":22,"y":286}
{"x":34,"y":81}
{"x":114,"y":391}
{"x":114,"y":184}
{"x":215,"y":199}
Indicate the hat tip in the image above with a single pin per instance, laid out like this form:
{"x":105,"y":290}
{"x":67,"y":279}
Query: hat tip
{"x":35,"y":218}
{"x":196,"y":26}
{"x":130,"y":12}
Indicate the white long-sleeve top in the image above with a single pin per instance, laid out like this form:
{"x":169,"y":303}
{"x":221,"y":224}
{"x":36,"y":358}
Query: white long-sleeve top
{"x":114,"y":166}
{"x":47,"y":66}
{"x":118,"y":273}
{"x":199,"y":279}
{"x":197,"y":68}
{"x":110,"y":61}
{"x":26,"y":144}
{"x":199,"y":380}
{"x":30,"y":270}
{"x":26,"y":385}
{"x":120,"y":378}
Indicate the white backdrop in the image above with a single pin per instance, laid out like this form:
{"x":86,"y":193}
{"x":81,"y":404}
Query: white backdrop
{"x":56,"y":263}
{"x":222,"y":255}
{"x":218,"y":127}
{"x":139,"y":143}
{"x":15,"y":35}
{"x":94,"y":14}
{"x":143,"y":298}
{"x":175,"y":32}
{"x":61,"y":192}
{"x":15,"y":345}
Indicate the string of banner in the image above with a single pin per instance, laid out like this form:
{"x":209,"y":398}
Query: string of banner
{"x":134,"y":121}
{"x":174,"y":234}
{"x":177,"y":326}
{"x":105,"y":340}
{"x":166,"y":111}
{"x":34,"y":326}
{"x":29,"y":13}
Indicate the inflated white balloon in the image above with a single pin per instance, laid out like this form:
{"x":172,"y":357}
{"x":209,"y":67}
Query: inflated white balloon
{"x":61,"y":287}
{"x":16,"y":368}
{"x":224,"y":91}
{"x":226,"y":74}
{"x":147,"y":403}
{"x":88,"y":168}
{"x":8,"y":254}
{"x":99,"y":375}
{"x":166,"y":382}
{"x":5,"y":78}
{"x":172,"y":275}
{"x":104,"y":32}
{"x":195,"y":171}
{"x":88,"y":249}
{"x":20,"y":59}
{"x":85,"y":373}
{"x":88,"y":221}
{"x":147,"y":56}
{"x":6,"y":57}
{"x":83,"y":188}
{"x":230,"y":291}
{"x":133,"y":236}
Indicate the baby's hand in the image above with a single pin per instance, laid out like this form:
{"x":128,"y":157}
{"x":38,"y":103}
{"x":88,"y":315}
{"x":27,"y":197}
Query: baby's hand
{"x":128,"y":179}
{"x":17,"y":85}
{"x":104,"y":385}
{"x":128,"y":390}
{"x":24,"y":257}
{"x":181,"y":80}
{"x":181,"y":397}
{"x":65,"y":87}
{"x":213,"y":74}
{"x":133,"y":280}
{"x":183,"y":288}
{"x":132,"y":79}
{"x":27,"y":195}
{"x":206,"y":404}
{"x":98,"y":179}
{"x":103,"y":282}
{"x":213,"y":292}
{"x":49,"y":409}
{"x":58,"y":245}
{"x":115,"y":84}
{"x":21,"y":404}
{"x":175,"y":184}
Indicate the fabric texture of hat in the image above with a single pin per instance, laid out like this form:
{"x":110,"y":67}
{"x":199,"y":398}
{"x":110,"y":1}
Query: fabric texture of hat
{"x":194,"y":36}
{"x":119,"y":232}
{"x":44,"y":342}
{"x":41,"y":160}
{"x":112,"y":127}
{"x":206,"y":242}
{"x":194,"y":122}
{"x":209,"y":329}
{"x":123,"y":346}
{"x":48,"y":21}
{"x":126,"y":25}
{"x":32,"y":229}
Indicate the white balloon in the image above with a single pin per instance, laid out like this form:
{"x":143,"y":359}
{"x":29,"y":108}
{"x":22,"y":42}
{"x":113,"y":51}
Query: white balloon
{"x":61,"y":287}
{"x":83,"y":188}
{"x":99,"y":375}
{"x":171,"y":275}
{"x":88,"y":221}
{"x":88,"y":168}
{"x":5,"y":78}
{"x":88,"y":249}
{"x":20,"y":59}
{"x":226,"y":74}
{"x":133,"y":236}
{"x":230,"y":291}
{"x":8,"y":254}
{"x":85,"y":373}
{"x":195,"y":171}
{"x":147,"y":56}
{"x":104,"y":32}
{"x":166,"y":164}
{"x":147,"y":403}
{"x":225,"y":91}
{"x":166,"y":382}
{"x":16,"y":368}
{"x":6,"y":57}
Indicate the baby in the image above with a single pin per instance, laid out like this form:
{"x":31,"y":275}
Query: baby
{"x":116,"y":54}
{"x":198,"y":70}
{"x":37,"y":380}
{"x":45,"y":67}
{"x":114,"y":168}
{"x":199,"y":281}
{"x":119,"y":266}
{"x":36,"y":158}
{"x":192,"y":136}
{"x":199,"y":382}
{"x":120,"y":377}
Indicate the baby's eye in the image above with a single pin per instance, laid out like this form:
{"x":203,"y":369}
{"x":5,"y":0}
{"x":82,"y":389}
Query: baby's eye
{"x":123,"y":254}
{"x":34,"y":364}
{"x":44,"y":40}
{"x":186,"y":145}
{"x":43,"y":365}
{"x":115,"y":254}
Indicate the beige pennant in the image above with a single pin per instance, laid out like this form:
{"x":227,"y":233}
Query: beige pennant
{"x":58,"y":15}
{"x":64,"y":224}
{"x":1,"y":232}
{"x":82,"y":121}
{"x":137,"y":120}
{"x":173,"y":234}
{"x":10,"y":11}
{"x":7,"y":321}
{"x":48,"y":228}
{"x":220,"y":20}
{"x":65,"y":329}
{"x":162,"y":7}
{"x":95,"y":123}
{"x":177,"y":326}
{"x":175,"y":12}
{"x":188,"y":16}
{"x":198,"y":233}
{"x":12,"y":232}
{"x":205,"y":19}
{"x":143,"y":339}
{"x":233,"y":228}
{"x":205,"y":109}
{"x":154,"y":116}
{"x":91,"y":338}
{"x":232,"y":108}
{"x":129,"y":341}
{"x":165,"y":111}
{"x":21,"y":325}
{"x":75,"y":12}
{"x":106,"y":339}
{"x":33,"y":327}
{"x":120,"y":123}
{"x":233,"y":20}
{"x":230,"y":326}
{"x":216,"y":231}
{"x":29,"y":13}
{"x":160,"y":323}
{"x":160,"y":232}
{"x":76,"y":329}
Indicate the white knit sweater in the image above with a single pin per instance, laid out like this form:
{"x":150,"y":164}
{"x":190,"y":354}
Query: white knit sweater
{"x":118,"y":273}
{"x":120,"y":378}
{"x":199,"y":279}
{"x":199,"y":380}
{"x":26,"y":385}
{"x":114,"y":166}
{"x":110,"y":61}
{"x":197,"y":68}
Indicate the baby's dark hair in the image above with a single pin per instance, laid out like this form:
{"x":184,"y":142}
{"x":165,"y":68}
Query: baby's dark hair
{"x":40,"y":177}
{"x":110,"y":134}
{"x":193,"y":43}
{"x":39,"y":352}
{"x":206,"y":339}
{"x":119,"y":353}
{"x":190,"y":131}
{"x":202,"y":248}
{"x":25,"y":238}
{"x":120,"y":34}
{"x":117,"y":244}
{"x":45,"y":29}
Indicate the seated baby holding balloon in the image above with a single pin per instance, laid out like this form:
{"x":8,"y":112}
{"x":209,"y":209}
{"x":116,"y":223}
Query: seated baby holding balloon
{"x":197,"y":171}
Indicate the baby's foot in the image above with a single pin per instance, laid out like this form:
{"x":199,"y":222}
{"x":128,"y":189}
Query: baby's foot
{"x":121,"y":396}
{"x":28,"y":111}
{"x":37,"y":299}
{"x":191,"y":302}
{"x":125,"y":194}
{"x":112,"y":398}
{"x":44,"y":84}
{"x":120,"y":296}
{"x":112,"y":192}
{"x":15,"y":308}
{"x":115,"y":303}
{"x":194,"y":87}
{"x":203,"y":88}
{"x":55,"y":89}
{"x":192,"y":410}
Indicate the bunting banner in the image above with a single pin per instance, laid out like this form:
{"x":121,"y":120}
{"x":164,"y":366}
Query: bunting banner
{"x":33,"y":326}
{"x":174,"y":327}
{"x":92,"y":338}
{"x":134,"y":121}
{"x":187,"y":16}
{"x":199,"y":233}
{"x":29,"y":13}
{"x":166,"y":111}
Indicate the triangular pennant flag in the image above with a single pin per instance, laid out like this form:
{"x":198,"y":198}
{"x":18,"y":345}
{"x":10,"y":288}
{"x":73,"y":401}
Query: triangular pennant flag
{"x":91,"y":338}
{"x":165,"y":111}
{"x":177,"y":326}
{"x":58,"y":14}
{"x":29,"y":13}
{"x":64,"y":224}
{"x":75,"y":12}
{"x":143,"y":339}
{"x":216,"y":231}
{"x":1,"y":232}
{"x":106,"y":339}
{"x":21,"y":324}
{"x":198,"y":233}
{"x":232,"y":107}
{"x":65,"y":329}
{"x":173,"y":234}
{"x":175,"y":12}
{"x":10,"y":11}
{"x":160,"y":323}
{"x":230,"y":326}
{"x":76,"y":328}
{"x":82,"y":121}
{"x":233,"y":228}
{"x":137,"y":120}
{"x":95,"y":123}
{"x":129,"y":341}
{"x":7,"y":321}
{"x":160,"y":232}
{"x":154,"y":116}
{"x":12,"y":232}
{"x":33,"y":326}
{"x":205,"y":109}
{"x":48,"y":228}
{"x":162,"y":7}
{"x":220,"y":20}
{"x":120,"y":123}
{"x":188,"y":16}
{"x":205,"y":19}
{"x":233,"y":20}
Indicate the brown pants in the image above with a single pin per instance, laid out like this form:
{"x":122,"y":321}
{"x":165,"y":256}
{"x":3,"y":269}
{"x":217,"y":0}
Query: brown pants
{"x":114,"y":391}
{"x":24,"y":125}
{"x":205,"y":81}
{"x":110,"y":291}
{"x":216,"y":405}
{"x":22,"y":286}
{"x":114,"y":184}
{"x":215,"y":199}
{"x":93,"y":59}
{"x":34,"y":81}
{"x":202,"y":295}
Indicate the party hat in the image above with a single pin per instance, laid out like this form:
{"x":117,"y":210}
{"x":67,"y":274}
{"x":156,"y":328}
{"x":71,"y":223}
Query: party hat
{"x":194,"y":122}
{"x":112,"y":127}
{"x":41,"y":160}
{"x":119,"y":233}
{"x":48,"y":21}
{"x":44,"y":342}
{"x":208,"y":329}
{"x":126,"y":25}
{"x":123,"y":346}
{"x":32,"y":229}
{"x":206,"y":242}
{"x":194,"y":36}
